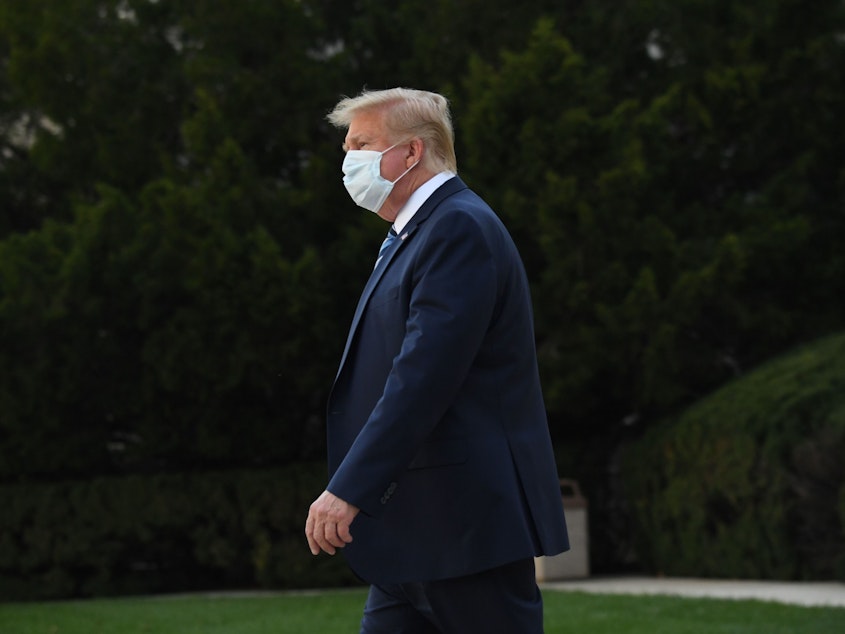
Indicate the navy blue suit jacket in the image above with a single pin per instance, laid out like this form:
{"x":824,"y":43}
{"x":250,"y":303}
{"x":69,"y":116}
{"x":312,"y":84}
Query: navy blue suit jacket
{"x":437,"y":429}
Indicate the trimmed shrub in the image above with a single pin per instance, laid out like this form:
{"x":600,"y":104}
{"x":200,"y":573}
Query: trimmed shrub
{"x":162,"y":533}
{"x":749,"y":482}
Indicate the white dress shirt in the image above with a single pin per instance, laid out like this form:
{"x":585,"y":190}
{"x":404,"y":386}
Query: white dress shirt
{"x":417,"y":199}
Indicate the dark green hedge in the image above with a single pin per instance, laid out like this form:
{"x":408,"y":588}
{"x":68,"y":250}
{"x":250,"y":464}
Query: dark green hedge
{"x":750,"y":482}
{"x":145,"y":534}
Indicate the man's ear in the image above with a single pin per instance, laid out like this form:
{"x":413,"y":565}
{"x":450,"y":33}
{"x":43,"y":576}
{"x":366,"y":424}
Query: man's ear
{"x":416,"y":151}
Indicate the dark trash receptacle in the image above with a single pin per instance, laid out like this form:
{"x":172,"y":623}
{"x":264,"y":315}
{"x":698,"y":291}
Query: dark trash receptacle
{"x":574,"y":563}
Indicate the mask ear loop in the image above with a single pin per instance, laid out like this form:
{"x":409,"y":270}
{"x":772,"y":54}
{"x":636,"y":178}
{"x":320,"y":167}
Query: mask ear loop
{"x":406,"y":171}
{"x":383,"y":152}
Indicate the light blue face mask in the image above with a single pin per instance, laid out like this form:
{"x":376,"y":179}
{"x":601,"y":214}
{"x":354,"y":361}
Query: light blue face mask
{"x":363,"y":180}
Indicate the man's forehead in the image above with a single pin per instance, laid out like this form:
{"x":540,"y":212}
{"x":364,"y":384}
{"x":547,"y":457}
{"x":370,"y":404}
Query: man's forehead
{"x":367,"y":122}
{"x":365,"y":127}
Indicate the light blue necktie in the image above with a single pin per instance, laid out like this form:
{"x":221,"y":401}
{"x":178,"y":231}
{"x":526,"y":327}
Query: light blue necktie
{"x":391,"y":236}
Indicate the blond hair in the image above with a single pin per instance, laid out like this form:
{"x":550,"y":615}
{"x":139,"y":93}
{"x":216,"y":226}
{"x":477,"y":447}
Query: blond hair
{"x":417,"y":113}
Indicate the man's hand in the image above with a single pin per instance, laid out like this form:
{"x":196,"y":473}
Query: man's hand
{"x":327,"y":526}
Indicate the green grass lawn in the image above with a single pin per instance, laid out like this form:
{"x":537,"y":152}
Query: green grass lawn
{"x":340,"y":612}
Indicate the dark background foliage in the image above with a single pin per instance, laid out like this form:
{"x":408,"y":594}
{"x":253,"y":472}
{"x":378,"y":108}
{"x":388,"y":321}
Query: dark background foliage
{"x":749,"y":482}
{"x":179,"y":261}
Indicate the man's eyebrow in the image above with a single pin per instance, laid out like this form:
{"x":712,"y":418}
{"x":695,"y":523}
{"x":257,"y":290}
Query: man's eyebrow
{"x":356,"y":140}
{"x":349,"y":141}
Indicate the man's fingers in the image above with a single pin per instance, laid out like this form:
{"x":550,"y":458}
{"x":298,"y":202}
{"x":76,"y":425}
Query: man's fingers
{"x":309,"y":535}
{"x":344,"y":533}
{"x":333,"y":536}
{"x":318,"y":539}
{"x":327,"y":546}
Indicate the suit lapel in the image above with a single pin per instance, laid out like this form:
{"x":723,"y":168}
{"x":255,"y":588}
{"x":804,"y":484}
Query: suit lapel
{"x":444,"y":191}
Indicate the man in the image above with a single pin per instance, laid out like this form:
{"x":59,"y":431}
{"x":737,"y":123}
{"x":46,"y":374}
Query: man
{"x":443,"y":484}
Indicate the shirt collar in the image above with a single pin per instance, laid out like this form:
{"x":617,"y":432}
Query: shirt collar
{"x":420,"y":195}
